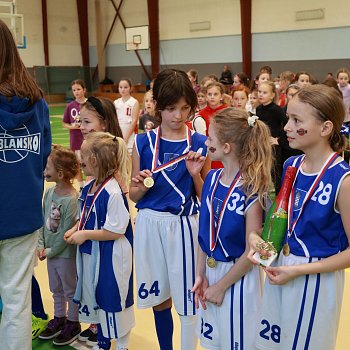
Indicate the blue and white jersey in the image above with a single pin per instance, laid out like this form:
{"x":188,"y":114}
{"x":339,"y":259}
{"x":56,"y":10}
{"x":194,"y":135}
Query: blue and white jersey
{"x":345,"y":129}
{"x":173,"y":189}
{"x":232,"y":236}
{"x":112,"y":271}
{"x":319,"y":231}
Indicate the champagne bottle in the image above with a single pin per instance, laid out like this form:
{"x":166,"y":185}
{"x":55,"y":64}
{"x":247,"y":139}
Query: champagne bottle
{"x":276,"y":222}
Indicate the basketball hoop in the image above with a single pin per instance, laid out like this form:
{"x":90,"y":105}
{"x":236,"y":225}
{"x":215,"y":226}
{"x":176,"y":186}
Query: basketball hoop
{"x":132,"y":46}
{"x":137,"y":38}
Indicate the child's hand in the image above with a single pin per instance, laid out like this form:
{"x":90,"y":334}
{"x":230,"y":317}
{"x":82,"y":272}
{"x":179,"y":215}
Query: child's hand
{"x":200,"y":286}
{"x":77,"y":237}
{"x":214,"y":294}
{"x":254,"y":240}
{"x":69,"y":233}
{"x":195,"y":162}
{"x":137,"y":181}
{"x":41,"y":254}
{"x":280,"y":274}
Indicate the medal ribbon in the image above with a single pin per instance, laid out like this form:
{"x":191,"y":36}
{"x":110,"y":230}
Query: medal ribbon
{"x":326,"y":165}
{"x":96,"y":194}
{"x":214,"y":233}
{"x":155,"y":168}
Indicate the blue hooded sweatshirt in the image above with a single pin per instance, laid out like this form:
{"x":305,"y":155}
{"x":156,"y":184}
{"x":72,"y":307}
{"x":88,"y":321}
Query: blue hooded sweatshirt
{"x":25,"y":144}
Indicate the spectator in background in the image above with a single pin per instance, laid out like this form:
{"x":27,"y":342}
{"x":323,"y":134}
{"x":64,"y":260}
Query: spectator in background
{"x":226,"y":78}
{"x":193,"y":76}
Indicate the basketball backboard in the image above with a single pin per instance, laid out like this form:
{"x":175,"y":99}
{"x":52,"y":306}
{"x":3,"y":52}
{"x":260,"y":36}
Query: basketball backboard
{"x":137,"y":38}
{"x":14,"y":21}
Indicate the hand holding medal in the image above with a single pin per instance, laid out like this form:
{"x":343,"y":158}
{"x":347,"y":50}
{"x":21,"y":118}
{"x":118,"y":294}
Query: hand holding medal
{"x":276,"y":223}
{"x":144,"y":179}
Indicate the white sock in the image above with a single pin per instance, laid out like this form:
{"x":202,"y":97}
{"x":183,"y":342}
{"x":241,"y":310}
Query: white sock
{"x":188,"y":332}
{"x":123,"y":342}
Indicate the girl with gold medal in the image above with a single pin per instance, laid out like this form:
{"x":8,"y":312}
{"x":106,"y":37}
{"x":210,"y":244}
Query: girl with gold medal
{"x":169,"y":165}
{"x":227,"y":285}
{"x":303,"y":293}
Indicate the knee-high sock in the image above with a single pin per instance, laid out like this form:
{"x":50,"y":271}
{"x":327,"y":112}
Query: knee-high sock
{"x":164,"y":327}
{"x":37,"y":302}
{"x":188,"y":332}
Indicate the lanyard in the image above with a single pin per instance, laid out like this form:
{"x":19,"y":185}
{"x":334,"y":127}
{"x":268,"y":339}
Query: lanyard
{"x":214,"y":233}
{"x":326,"y":165}
{"x":82,"y":224}
{"x":166,"y":165}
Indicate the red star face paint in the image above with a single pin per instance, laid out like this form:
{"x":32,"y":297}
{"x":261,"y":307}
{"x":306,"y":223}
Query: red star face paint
{"x":301,"y":132}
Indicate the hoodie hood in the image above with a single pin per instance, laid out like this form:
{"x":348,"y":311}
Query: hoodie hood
{"x":25,"y":143}
{"x":14,"y":112}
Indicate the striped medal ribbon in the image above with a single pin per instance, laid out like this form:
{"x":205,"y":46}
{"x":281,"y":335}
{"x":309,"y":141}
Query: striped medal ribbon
{"x":82,"y":223}
{"x":291,"y":225}
{"x":214,"y":233}
{"x":155,"y":168}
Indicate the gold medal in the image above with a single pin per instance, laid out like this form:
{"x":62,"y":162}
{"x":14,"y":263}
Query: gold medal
{"x":211,"y":262}
{"x":286,"y":249}
{"x":148,"y":182}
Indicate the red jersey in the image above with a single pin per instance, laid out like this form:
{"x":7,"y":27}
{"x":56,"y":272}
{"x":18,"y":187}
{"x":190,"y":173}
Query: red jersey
{"x":207,"y":113}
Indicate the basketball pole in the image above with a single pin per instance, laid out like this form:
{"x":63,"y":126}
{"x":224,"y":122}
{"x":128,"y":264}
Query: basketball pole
{"x":101,"y":58}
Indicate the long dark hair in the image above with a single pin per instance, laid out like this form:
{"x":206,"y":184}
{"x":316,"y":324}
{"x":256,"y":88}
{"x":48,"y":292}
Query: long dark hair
{"x":15,"y":80}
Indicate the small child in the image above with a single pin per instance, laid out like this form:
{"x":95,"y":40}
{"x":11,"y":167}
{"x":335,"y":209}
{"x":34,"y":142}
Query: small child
{"x":128,"y":110}
{"x":253,"y":102}
{"x":303,"y":291}
{"x":71,"y":120}
{"x":193,"y":76}
{"x":343,"y":77}
{"x":303,"y":79}
{"x":214,"y":96}
{"x":99,"y":114}
{"x":104,"y":235}
{"x":60,"y":206}
{"x":227,"y":286}
{"x":286,"y":78}
{"x":167,"y":221}
{"x":198,"y":122}
{"x":147,"y":119}
{"x":273,"y":116}
{"x":201,"y":97}
{"x":240,"y":96}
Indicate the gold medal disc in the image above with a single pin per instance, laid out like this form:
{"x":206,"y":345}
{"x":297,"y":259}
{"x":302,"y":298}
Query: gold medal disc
{"x":148,"y":182}
{"x":211,"y":262}
{"x":286,"y":249}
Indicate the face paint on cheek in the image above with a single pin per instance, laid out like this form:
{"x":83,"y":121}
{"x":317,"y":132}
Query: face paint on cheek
{"x":212,"y":149}
{"x":301,"y":132}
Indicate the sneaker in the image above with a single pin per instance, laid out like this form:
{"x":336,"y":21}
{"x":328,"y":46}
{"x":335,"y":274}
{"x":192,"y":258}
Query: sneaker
{"x":54,"y":328}
{"x":38,"y":325}
{"x":69,"y":333}
{"x":92,"y":340}
{"x":85,"y":335}
{"x":96,"y":347}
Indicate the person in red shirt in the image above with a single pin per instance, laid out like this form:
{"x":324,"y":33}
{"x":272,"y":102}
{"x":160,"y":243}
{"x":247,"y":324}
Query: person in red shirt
{"x":215,"y":95}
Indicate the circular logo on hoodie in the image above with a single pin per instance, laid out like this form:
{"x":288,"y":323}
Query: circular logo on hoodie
{"x":16,"y":144}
